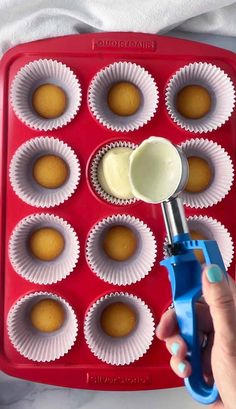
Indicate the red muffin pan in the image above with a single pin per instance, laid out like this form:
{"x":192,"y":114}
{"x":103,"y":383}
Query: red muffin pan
{"x":86,"y":55}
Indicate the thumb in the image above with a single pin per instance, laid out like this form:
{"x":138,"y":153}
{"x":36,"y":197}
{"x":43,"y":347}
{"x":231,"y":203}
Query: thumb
{"x":219,"y":297}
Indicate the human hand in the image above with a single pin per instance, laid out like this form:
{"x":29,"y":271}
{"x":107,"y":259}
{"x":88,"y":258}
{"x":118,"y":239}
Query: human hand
{"x":216,"y":319}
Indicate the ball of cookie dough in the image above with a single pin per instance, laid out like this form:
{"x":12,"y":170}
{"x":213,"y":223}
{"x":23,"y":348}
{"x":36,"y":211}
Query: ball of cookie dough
{"x":200,"y":175}
{"x":46,"y":244}
{"x":49,"y":101}
{"x":47,"y":315}
{"x":124,"y":98}
{"x":193,"y":102}
{"x":118,"y":319}
{"x":50,"y":171}
{"x":119,"y":243}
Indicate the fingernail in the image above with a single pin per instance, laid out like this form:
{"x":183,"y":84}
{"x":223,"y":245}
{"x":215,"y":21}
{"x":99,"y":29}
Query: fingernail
{"x":214,"y":274}
{"x":175,"y":347}
{"x":181,"y":367}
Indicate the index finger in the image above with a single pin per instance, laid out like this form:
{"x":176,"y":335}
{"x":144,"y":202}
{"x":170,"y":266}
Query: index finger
{"x":168,"y":325}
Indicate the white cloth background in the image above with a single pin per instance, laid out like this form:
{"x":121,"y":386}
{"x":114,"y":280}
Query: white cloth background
{"x":27,"y":20}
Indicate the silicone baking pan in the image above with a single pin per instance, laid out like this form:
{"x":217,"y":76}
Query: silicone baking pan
{"x":86,"y":55}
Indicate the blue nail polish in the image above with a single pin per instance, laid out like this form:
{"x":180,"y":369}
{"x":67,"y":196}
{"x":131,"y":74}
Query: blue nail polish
{"x":181,"y":367}
{"x":175,"y":347}
{"x":214,"y":274}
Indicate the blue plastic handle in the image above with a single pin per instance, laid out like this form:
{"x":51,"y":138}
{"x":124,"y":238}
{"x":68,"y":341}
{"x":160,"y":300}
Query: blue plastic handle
{"x":185,"y":276}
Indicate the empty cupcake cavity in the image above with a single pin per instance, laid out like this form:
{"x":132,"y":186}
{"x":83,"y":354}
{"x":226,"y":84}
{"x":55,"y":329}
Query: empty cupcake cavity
{"x":21,"y":172}
{"x":126,"y":270}
{"x":218,"y":85}
{"x":30,"y":266}
{"x":119,"y":350}
{"x":123,"y":72}
{"x":34,"y":344}
{"x":220,"y":166}
{"x":30,"y":78}
{"x":94,"y":170}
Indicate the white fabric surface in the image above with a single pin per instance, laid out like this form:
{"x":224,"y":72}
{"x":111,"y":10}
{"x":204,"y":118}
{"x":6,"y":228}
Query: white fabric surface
{"x":27,"y":20}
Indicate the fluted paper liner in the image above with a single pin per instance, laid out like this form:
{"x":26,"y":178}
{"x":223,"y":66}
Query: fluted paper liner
{"x":37,"y":73}
{"x":121,"y":272}
{"x":118,"y":72}
{"x":34,"y":269}
{"x":219,"y":86}
{"x":125,"y":350}
{"x":94,"y":173}
{"x":222,"y":168}
{"x":21,"y":172}
{"x":35,"y":345}
{"x":212,"y":229}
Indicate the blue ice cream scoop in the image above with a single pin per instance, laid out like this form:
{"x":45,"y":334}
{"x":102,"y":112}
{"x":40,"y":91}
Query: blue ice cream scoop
{"x":158,"y":173}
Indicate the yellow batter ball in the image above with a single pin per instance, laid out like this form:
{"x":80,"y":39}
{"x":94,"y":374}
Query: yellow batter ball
{"x":200,"y":175}
{"x":195,"y":235}
{"x":124,"y":98}
{"x":50,"y":171}
{"x":119,"y":243}
{"x":118,"y":320}
{"x":49,"y":101}
{"x":47,"y":315}
{"x":113,"y":172}
{"x":193,"y":102}
{"x":46,"y":244}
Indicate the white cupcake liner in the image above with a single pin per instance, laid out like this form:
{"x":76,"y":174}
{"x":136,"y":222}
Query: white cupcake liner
{"x":125,"y":350}
{"x":35,"y":345}
{"x":222,"y":167}
{"x":121,"y":272}
{"x":218,"y":84}
{"x":94,"y":173}
{"x":37,"y":73}
{"x":212,"y":230}
{"x":36,"y":270}
{"x":21,"y":174}
{"x":123,"y":71}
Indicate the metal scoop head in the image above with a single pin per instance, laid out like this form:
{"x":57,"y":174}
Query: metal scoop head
{"x":158,"y":170}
